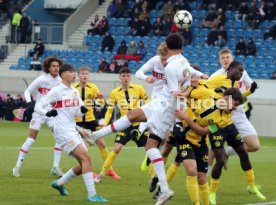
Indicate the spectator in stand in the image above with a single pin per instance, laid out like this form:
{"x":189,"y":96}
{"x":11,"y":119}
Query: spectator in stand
{"x":167,"y":8}
{"x":254,"y":20}
{"x":271,"y":33}
{"x":122,"y":48}
{"x":167,"y":25}
{"x":241,"y":47}
{"x":269,"y":10}
{"x":145,"y":27}
{"x":111,"y":10}
{"x":145,"y":5}
{"x":104,"y":66}
{"x":253,"y":7}
{"x":108,"y":42}
{"x":273,"y":77}
{"x":222,"y":37}
{"x":35,"y":63}
{"x":136,"y":13}
{"x":210,"y":18}
{"x":38,"y":48}
{"x":183,"y":5}
{"x":15,"y":24}
{"x":174,"y":28}
{"x":103,"y":25}
{"x":120,"y":9}
{"x":24,"y":24}
{"x":187,"y":35}
{"x":8,"y":108}
{"x":122,"y":63}
{"x":221,"y":18}
{"x":212,"y":37}
{"x":113,"y":67}
{"x":19,"y":102}
{"x":134,"y":26}
{"x":95,"y":26}
{"x":251,"y":47}
{"x":243,"y":11}
{"x":141,"y":50}
{"x":143,"y":15}
{"x":157,"y":28}
{"x":132,"y":49}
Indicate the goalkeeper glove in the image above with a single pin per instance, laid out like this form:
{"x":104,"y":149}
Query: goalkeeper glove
{"x":52,"y":113}
{"x":83,"y":109}
{"x":253,"y":87}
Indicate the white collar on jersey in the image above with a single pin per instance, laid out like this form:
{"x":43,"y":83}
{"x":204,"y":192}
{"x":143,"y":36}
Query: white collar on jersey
{"x":174,"y":57}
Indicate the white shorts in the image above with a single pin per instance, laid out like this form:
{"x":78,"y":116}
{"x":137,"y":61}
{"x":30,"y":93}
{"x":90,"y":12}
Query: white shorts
{"x":38,"y":120}
{"x":243,"y":125}
{"x":160,"y":116}
{"x":68,"y":140}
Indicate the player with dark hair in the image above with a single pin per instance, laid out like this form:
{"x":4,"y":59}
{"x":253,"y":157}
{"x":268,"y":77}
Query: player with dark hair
{"x":41,"y":86}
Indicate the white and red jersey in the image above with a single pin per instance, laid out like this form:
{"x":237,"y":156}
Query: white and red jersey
{"x":178,"y":73}
{"x":155,"y":66}
{"x":66,"y":101}
{"x":41,"y":86}
{"x":244,"y":82}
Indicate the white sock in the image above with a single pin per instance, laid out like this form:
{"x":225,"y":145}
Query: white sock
{"x":142,"y":127}
{"x":230,"y":151}
{"x":24,"y":151}
{"x":57,"y":155}
{"x":89,"y":183}
{"x":117,"y":126}
{"x":159,"y":168}
{"x":66,"y":177}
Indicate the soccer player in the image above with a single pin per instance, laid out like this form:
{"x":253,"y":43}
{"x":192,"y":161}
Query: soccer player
{"x":127,"y":97}
{"x":63,"y":103}
{"x":159,"y":113}
{"x":227,"y":131}
{"x":41,"y":86}
{"x":243,"y":125}
{"x":89,"y":92}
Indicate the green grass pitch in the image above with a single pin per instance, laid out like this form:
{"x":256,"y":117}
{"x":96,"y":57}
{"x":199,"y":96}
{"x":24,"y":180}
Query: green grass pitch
{"x":33,"y":187}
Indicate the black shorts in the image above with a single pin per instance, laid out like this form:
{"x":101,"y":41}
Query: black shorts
{"x":176,"y":135}
{"x":125,"y":136}
{"x":92,"y":125}
{"x":229,"y":134}
{"x":187,"y":150}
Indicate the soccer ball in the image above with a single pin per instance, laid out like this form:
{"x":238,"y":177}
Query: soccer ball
{"x":183,"y":19}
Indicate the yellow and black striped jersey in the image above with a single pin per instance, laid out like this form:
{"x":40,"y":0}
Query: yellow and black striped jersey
{"x":191,"y":135}
{"x":87,"y":94}
{"x":206,"y":111}
{"x":125,"y":100}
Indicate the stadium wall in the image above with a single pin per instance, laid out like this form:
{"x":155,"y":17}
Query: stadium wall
{"x":263,"y":115}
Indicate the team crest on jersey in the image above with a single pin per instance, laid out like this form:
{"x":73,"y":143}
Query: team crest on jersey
{"x":118,"y":138}
{"x":238,"y":137}
{"x":205,"y":158}
{"x":184,"y":153}
{"x":217,"y":143}
{"x":186,"y":73}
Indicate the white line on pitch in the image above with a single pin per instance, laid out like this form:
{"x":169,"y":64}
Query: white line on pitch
{"x":265,"y":203}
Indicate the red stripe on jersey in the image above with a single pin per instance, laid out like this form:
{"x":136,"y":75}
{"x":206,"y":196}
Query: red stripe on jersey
{"x":240,"y":84}
{"x":157,"y":160}
{"x":24,"y":151}
{"x":66,"y":103}
{"x":43,"y":90}
{"x":113,"y":127}
{"x":158,"y":75}
{"x":57,"y":149}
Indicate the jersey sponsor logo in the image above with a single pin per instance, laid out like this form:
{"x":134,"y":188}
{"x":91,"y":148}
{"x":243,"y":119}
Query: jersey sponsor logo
{"x":205,"y":158}
{"x":219,"y":137}
{"x":157,"y":75}
{"x":240,"y":84}
{"x":43,"y":90}
{"x":66,"y":103}
{"x":185,"y":146}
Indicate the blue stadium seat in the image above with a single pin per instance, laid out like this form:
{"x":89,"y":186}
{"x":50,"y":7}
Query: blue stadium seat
{"x":112,"y":21}
{"x":153,"y":14}
{"x":239,"y":33}
{"x":126,"y":21}
{"x":201,"y":14}
{"x":120,"y":22}
{"x":264,"y":25}
{"x":193,"y":5}
{"x":240,"y":58}
{"x":120,"y":31}
{"x":257,"y":33}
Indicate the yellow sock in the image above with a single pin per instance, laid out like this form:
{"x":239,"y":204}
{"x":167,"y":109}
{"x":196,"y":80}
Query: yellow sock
{"x":151,"y":170}
{"x":104,"y":153}
{"x":250,"y":177}
{"x":204,"y":193}
{"x":171,"y":172}
{"x":192,"y":188}
{"x":214,"y":185}
{"x":108,"y":162}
